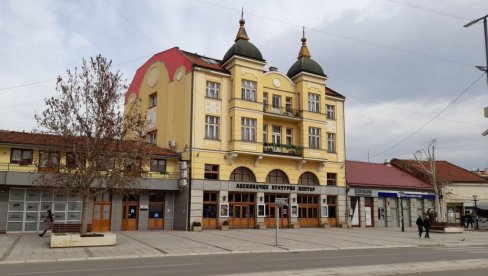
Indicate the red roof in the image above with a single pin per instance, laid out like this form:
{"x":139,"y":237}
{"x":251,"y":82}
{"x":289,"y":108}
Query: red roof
{"x":375,"y":175}
{"x":445,"y":171}
{"x":16,"y":138}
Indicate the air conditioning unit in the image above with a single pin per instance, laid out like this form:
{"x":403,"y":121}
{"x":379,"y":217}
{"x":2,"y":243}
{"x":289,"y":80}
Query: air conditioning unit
{"x":183,"y":165}
{"x":172,"y":143}
{"x":182,"y":183}
{"x":184,"y":174}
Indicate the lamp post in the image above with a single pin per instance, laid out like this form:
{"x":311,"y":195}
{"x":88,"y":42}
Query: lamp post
{"x":400,"y":195}
{"x":475,"y":199}
{"x":482,"y":68}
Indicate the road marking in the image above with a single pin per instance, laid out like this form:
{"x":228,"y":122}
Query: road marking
{"x":104,"y":269}
{"x":353,"y":256}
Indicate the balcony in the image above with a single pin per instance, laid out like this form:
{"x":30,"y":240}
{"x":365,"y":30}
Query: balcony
{"x":282,"y":112}
{"x":282,"y":149}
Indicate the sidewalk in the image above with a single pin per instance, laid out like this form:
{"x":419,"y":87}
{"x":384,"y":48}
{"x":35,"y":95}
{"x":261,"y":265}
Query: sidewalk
{"x":20,"y":248}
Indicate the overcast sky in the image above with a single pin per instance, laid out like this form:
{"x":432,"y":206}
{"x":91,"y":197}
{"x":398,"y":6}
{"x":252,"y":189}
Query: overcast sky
{"x":398,"y":62}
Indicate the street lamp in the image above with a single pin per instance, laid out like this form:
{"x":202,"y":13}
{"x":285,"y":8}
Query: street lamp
{"x":475,"y":199}
{"x":482,"y":68}
{"x":400,"y":195}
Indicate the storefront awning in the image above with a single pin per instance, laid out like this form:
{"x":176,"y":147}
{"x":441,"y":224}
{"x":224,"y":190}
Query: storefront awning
{"x":482,"y":206}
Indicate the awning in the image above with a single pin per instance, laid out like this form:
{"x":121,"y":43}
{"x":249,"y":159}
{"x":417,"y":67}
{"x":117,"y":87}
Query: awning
{"x":482,"y":206}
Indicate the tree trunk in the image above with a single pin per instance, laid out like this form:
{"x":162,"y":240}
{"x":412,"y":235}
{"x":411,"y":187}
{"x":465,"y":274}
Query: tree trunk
{"x":84,"y":213}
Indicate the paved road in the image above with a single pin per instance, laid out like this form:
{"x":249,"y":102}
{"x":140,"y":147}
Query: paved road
{"x":306,"y":263}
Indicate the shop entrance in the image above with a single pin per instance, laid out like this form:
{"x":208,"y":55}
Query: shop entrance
{"x":308,"y":210}
{"x":242,"y":210}
{"x":210,"y":204}
{"x":130,"y":212}
{"x":156,"y":211}
{"x":102,"y":207}
{"x":368,"y":211}
{"x":271,"y":208}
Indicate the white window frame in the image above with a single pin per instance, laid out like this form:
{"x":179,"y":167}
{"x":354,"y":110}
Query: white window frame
{"x":289,"y":136}
{"x":314,"y":102}
{"x":213,"y":90}
{"x":248,"y":129}
{"x":265,"y":133}
{"x":248,"y":90}
{"x":153,"y":100}
{"x":212,"y":127}
{"x":331,"y":144}
{"x":153,"y":137}
{"x":314,"y":137}
{"x":330,"y":111}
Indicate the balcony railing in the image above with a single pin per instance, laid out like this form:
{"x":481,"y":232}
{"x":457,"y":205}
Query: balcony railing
{"x":282,"y":149}
{"x":10,"y":167}
{"x":283,"y":111}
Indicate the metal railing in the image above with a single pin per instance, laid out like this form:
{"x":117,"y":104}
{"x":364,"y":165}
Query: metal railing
{"x":281,"y":110}
{"x":282,"y":149}
{"x":12,"y":167}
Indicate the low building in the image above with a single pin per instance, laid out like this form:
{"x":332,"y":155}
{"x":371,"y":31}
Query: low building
{"x":378,"y":193}
{"x":459,"y":188}
{"x":23,"y":206}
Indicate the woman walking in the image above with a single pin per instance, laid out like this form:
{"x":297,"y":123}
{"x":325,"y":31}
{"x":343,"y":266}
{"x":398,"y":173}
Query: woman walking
{"x":420,"y":225}
{"x":427,"y":227}
{"x":48,"y":223}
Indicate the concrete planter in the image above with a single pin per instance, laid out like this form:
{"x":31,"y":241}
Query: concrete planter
{"x":447,"y":229}
{"x":75,"y":240}
{"x":295,"y":226}
{"x":224,"y":227}
{"x":325,"y":225}
{"x":261,"y":226}
{"x":196,"y":228}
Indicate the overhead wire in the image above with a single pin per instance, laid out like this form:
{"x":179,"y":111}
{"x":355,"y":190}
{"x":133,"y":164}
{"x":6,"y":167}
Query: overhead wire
{"x":432,"y":119}
{"x":439,"y":12}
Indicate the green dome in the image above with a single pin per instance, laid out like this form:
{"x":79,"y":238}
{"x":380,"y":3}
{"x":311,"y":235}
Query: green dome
{"x":243,"y":48}
{"x":305,"y":64}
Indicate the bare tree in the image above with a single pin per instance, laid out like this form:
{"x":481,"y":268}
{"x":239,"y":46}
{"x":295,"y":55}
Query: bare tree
{"x":87,"y":121}
{"x":428,"y":167}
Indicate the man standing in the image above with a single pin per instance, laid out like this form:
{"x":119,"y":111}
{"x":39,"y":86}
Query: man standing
{"x":420,"y":225}
{"x":427,"y":227}
{"x":48,"y":223}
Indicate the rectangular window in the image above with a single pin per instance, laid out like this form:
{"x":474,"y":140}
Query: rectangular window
{"x":289,"y":136}
{"x":158,"y":165}
{"x":330,"y":111}
{"x":21,"y":156}
{"x":265,"y":101}
{"x":71,"y":161}
{"x":314,"y":103}
{"x":248,"y":90}
{"x":153,"y":100}
{"x":288,"y":104}
{"x":331,"y":179}
{"x":212,"y":127}
{"x":153,"y":137}
{"x":211,"y":171}
{"x":276,"y":101}
{"x":314,"y":137}
{"x":248,"y":129}
{"x":48,"y":159}
{"x":276,"y":135}
{"x":213,"y":90}
{"x":265,"y":133}
{"x":331,"y":147}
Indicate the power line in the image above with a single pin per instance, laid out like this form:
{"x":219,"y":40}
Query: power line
{"x":343,"y":36}
{"x":132,"y":24}
{"x":435,"y":117}
{"x":412,"y":112}
{"x":439,"y":12}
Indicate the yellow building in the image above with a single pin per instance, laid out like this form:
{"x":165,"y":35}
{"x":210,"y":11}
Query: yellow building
{"x":248,"y":136}
{"x":25,"y":156}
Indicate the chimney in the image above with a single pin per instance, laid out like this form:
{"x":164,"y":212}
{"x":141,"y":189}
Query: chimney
{"x":273,"y":69}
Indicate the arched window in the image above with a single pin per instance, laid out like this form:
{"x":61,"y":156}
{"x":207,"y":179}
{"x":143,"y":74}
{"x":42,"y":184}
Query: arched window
{"x":308,"y":178}
{"x":277,"y":177}
{"x":242,"y":174}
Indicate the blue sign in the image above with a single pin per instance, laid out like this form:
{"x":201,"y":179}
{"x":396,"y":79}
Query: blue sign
{"x":406,"y":195}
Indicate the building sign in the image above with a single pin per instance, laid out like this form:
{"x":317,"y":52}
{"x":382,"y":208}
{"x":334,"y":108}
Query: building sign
{"x":363,"y":192}
{"x":406,"y":195}
{"x":274,"y":187}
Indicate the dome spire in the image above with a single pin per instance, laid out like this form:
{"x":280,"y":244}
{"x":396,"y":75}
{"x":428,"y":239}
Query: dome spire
{"x":241,"y":34}
{"x":304,"y":50}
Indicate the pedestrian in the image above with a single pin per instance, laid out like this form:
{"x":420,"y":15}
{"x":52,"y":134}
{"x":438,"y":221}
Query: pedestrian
{"x":463,"y":221}
{"x":427,"y":227}
{"x":469,"y":220}
{"x":420,"y":225}
{"x":48,"y":223}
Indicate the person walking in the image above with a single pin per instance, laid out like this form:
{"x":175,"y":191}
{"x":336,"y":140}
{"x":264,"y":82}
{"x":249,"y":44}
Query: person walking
{"x":469,"y":220}
{"x":48,"y":223}
{"x":420,"y":225}
{"x":427,"y":227}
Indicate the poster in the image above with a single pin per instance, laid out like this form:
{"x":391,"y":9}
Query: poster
{"x":224,"y":210}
